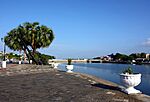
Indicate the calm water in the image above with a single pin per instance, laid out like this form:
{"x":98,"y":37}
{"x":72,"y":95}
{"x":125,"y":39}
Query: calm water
{"x":111,"y":72}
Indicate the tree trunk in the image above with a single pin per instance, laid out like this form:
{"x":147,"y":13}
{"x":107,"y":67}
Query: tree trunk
{"x":30,"y":54}
{"x":25,"y":47}
{"x":25,"y":54}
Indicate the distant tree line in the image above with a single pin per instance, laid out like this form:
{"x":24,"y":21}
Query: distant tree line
{"x":12,"y":55}
{"x":124,"y":57}
{"x":41,"y":58}
{"x":130,"y":57}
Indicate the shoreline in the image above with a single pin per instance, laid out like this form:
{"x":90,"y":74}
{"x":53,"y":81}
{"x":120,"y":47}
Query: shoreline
{"x":98,"y":61}
{"x":23,"y":70}
{"x":141,"y":96}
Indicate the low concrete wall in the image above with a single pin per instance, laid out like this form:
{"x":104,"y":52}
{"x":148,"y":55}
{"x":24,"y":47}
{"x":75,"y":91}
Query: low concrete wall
{"x":65,"y":61}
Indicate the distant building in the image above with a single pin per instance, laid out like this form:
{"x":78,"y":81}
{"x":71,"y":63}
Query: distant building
{"x":106,"y":58}
{"x":147,"y":56}
{"x":140,"y":59}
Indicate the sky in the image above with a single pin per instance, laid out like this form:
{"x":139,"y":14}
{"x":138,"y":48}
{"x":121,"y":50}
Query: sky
{"x":83,"y":28}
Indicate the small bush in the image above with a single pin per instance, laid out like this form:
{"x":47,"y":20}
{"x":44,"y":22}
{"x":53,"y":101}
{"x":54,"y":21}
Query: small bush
{"x":42,"y":58}
{"x":129,"y":71}
{"x":69,"y":61}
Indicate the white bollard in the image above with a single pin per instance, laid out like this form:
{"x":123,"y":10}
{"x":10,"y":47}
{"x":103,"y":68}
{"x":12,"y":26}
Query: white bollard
{"x":19,"y":62}
{"x":30,"y":61}
{"x":3,"y":64}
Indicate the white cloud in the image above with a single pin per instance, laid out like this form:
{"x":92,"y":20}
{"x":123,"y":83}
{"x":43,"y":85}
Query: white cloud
{"x":147,"y":42}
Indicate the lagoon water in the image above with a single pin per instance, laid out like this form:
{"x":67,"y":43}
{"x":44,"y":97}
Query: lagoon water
{"x":111,"y":72}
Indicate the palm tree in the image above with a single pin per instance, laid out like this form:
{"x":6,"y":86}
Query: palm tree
{"x":12,"y":40}
{"x":46,"y":36}
{"x":38,"y":36}
{"x":29,"y":35}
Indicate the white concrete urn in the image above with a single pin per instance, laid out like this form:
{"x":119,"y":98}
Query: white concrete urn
{"x":3,"y":64}
{"x":55,"y":65}
{"x":69,"y":68}
{"x":130,"y":81}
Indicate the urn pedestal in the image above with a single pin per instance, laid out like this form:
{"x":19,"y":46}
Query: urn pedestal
{"x":55,"y":65}
{"x":69,"y":68}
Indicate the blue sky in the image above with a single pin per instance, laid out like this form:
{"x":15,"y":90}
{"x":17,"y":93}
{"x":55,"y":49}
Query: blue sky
{"x":84,"y":28}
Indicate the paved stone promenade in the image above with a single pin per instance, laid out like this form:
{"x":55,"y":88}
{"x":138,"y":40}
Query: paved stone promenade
{"x":31,"y":83}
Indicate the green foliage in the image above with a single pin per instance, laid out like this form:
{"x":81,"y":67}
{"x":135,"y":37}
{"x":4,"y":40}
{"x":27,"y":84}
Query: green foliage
{"x":38,"y":36}
{"x":133,"y":55}
{"x":69,"y":61}
{"x":129,"y":71}
{"x":11,"y":55}
{"x":138,"y":55}
{"x":143,"y":55}
{"x":1,"y":57}
{"x":42,"y":58}
{"x":123,"y":57}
